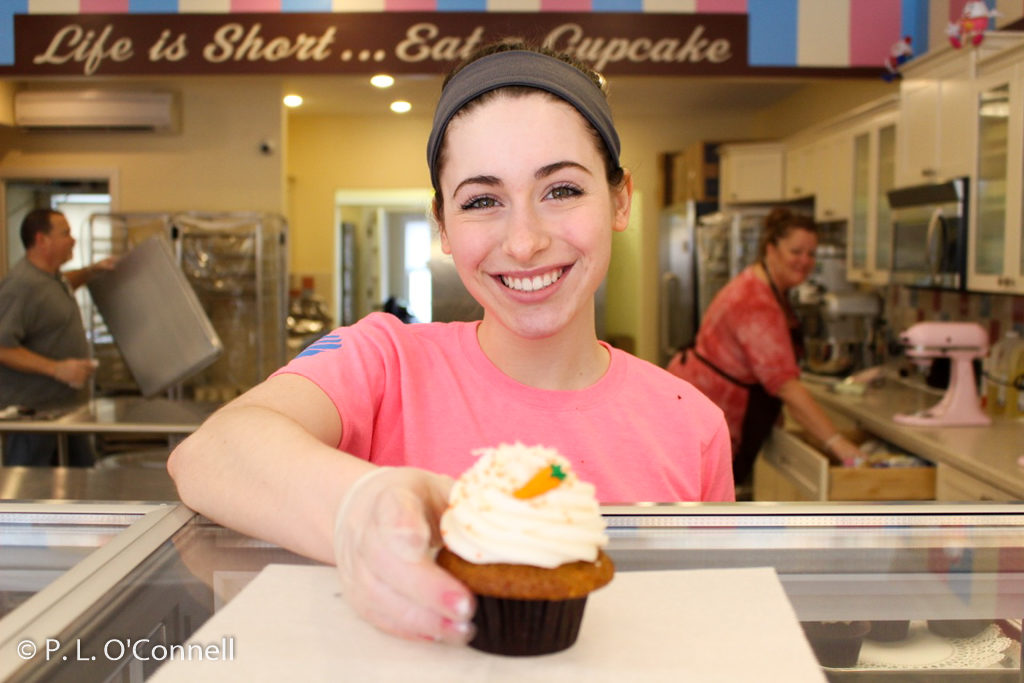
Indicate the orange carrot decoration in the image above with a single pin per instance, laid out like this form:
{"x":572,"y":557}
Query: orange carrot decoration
{"x":546,"y":479}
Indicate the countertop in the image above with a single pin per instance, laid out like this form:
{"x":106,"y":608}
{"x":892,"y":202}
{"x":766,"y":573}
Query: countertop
{"x":127,"y":414}
{"x":985,"y":453}
{"x":145,"y":483}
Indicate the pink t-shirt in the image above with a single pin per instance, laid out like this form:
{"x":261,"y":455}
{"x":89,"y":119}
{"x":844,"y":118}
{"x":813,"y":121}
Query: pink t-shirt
{"x":425,"y":395}
{"x":744,"y":333}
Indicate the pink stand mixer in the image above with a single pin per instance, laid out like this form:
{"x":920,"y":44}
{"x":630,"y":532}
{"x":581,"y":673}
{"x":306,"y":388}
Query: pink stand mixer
{"x":961,"y":343}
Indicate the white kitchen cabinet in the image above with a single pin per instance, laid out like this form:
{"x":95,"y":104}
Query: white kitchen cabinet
{"x":751,"y":172}
{"x":953,"y":485}
{"x":995,"y":246}
{"x":801,"y":172}
{"x":936,"y":115}
{"x":869,"y":238}
{"x":919,"y":132}
{"x":821,"y":161}
{"x":821,"y":167}
{"x":834,"y":178}
{"x":937,"y":111}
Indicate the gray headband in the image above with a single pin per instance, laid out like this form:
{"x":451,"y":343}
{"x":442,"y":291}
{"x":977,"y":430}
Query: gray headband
{"x":523,"y":68}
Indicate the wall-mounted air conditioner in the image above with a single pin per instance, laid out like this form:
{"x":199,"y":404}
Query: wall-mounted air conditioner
{"x":93,"y":110}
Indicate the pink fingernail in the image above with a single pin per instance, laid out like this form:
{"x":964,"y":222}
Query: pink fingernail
{"x":458,"y":603}
{"x":460,"y":627}
{"x":464,"y":629}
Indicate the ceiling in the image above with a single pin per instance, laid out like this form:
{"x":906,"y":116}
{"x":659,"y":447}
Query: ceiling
{"x":630,"y":95}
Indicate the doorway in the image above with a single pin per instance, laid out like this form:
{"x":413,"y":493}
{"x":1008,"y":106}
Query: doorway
{"x":388,"y":257}
{"x":77,"y":196}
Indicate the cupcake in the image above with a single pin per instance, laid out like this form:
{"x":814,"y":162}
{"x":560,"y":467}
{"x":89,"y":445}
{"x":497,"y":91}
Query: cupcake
{"x":889,"y":631}
{"x":957,"y":628}
{"x":836,"y":643}
{"x":525,"y":535}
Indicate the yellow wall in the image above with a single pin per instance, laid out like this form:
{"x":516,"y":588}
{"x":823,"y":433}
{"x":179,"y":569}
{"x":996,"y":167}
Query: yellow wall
{"x":6,"y":104}
{"x":212,"y":164}
{"x":819,"y":102}
{"x":330,"y":153}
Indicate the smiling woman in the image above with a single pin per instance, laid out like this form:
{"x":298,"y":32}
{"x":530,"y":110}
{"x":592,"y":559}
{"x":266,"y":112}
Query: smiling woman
{"x":524,"y":160}
{"x":528,"y":223}
{"x":746,"y":353}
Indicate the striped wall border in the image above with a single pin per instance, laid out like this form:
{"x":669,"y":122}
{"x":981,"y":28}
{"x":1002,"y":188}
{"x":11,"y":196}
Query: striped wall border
{"x":782,"y":33}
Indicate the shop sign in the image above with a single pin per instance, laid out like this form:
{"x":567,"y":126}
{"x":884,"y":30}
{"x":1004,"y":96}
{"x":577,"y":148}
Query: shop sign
{"x":90,"y":45}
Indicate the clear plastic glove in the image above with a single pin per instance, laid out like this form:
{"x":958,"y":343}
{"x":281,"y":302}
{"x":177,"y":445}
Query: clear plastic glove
{"x":385,"y":535}
{"x":847,"y":451}
{"x":74,"y":372}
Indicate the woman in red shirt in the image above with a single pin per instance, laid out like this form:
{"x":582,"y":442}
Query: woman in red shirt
{"x":746,"y":354}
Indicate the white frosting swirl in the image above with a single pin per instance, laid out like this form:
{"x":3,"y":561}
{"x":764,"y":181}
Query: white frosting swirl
{"x":485,"y":523}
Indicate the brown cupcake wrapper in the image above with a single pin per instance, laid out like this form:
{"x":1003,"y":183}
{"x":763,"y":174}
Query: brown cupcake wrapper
{"x":836,"y":645}
{"x":520,"y":628}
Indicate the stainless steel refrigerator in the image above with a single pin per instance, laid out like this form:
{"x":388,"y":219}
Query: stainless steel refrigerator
{"x":678,"y":314}
{"x":701,"y":249}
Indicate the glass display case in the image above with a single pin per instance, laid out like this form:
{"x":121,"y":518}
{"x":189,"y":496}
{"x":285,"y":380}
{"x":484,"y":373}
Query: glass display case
{"x":935,"y":592}
{"x":60,"y":558}
{"x":40,"y":545}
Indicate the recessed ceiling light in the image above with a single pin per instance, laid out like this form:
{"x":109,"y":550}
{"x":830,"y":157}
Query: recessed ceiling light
{"x":292,"y":100}
{"x":382,"y":81}
{"x":400,"y":106}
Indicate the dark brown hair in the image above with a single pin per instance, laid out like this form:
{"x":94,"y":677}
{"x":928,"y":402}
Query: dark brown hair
{"x":614,"y":172}
{"x":37,"y":221}
{"x":779,"y":223}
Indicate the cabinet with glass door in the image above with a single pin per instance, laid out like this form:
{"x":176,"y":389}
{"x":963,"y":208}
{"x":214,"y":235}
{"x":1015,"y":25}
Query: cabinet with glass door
{"x":995,"y":244}
{"x":869,"y":241}
{"x":936,"y":109}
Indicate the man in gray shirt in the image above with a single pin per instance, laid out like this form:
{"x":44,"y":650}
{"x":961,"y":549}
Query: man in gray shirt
{"x":44,"y":361}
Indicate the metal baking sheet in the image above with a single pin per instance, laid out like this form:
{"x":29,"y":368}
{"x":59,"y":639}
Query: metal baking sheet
{"x":155,"y":317}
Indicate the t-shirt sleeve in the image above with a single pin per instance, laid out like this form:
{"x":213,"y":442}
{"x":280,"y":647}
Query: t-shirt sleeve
{"x":716,"y":463}
{"x":762,"y":333}
{"x":350,"y":365}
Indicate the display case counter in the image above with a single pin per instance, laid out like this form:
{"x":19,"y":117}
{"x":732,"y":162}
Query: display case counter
{"x":953,"y":573}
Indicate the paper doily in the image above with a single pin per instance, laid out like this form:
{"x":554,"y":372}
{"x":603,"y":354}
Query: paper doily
{"x":922,"y":649}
